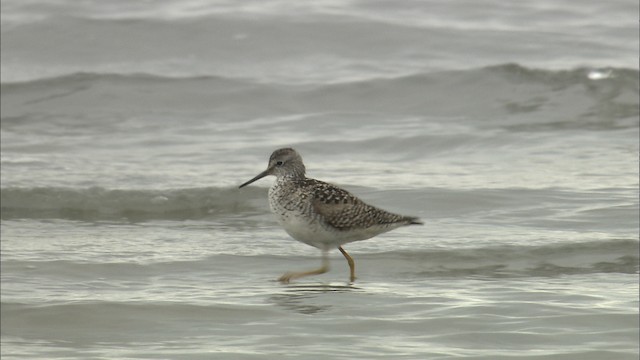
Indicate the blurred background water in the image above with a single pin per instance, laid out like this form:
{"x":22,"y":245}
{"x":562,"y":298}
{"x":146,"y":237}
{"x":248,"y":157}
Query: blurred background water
{"x":511,"y":129}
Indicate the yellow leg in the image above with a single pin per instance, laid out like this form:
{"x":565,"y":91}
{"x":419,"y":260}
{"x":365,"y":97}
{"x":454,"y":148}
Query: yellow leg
{"x":296,"y":275}
{"x":352,"y":265}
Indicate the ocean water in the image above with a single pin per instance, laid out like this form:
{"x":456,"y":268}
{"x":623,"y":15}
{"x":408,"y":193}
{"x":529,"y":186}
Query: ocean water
{"x":510,"y":128}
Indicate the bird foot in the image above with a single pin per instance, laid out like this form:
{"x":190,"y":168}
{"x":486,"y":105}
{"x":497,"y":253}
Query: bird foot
{"x":286,"y":277}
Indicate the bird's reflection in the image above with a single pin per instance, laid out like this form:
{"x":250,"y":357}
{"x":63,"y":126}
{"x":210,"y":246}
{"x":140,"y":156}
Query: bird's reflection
{"x":304,"y":299}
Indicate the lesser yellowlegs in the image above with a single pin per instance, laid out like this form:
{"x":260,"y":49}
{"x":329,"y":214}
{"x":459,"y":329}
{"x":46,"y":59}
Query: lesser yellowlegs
{"x":320,"y":214}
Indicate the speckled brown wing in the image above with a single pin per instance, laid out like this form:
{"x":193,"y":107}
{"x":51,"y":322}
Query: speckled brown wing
{"x":343,"y":211}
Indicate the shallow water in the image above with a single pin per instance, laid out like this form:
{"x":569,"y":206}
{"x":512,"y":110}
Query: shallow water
{"x":513,"y":135}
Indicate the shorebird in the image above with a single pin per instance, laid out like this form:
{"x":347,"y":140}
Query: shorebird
{"x":321,"y":214}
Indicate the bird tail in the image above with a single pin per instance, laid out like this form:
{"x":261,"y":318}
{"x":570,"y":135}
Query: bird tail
{"x":414,"y":221}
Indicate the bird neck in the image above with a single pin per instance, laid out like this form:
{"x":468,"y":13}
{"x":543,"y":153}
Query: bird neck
{"x":292,"y":176}
{"x":294,"y":172}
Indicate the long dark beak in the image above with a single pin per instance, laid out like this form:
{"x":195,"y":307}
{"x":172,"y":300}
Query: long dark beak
{"x":258,"y":177}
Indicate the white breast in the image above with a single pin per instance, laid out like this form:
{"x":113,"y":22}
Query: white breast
{"x":298,"y":221}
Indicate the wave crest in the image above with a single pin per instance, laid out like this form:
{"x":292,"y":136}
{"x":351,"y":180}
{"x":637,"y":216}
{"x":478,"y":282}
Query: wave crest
{"x":100,"y":204}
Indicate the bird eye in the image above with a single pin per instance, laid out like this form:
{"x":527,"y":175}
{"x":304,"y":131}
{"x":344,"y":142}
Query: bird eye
{"x":279,"y":163}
